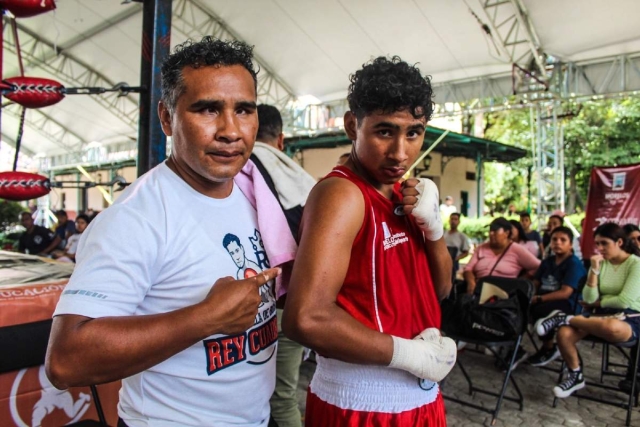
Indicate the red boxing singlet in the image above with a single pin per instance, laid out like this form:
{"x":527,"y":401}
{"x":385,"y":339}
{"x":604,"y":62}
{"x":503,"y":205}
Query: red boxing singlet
{"x":388,"y":288}
{"x":388,"y":284}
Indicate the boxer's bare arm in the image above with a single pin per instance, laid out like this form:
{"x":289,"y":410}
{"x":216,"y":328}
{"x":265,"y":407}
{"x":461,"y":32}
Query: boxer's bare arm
{"x":332,"y":218}
{"x":440,"y":265}
{"x":84,"y":351}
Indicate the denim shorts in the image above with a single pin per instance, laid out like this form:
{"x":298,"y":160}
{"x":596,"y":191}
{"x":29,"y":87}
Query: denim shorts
{"x":633,"y":322}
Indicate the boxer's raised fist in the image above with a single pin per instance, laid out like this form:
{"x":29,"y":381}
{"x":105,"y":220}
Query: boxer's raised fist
{"x":420,"y":199}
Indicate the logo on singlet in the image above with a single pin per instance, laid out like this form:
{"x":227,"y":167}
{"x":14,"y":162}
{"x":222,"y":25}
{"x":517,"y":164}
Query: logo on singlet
{"x":390,"y":239}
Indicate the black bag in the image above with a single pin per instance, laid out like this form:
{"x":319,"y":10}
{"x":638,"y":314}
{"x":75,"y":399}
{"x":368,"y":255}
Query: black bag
{"x":499,"y":320}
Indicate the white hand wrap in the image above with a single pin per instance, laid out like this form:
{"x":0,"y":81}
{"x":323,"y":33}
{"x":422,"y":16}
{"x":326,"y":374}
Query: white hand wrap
{"x":426,"y":210}
{"x":429,"y":356}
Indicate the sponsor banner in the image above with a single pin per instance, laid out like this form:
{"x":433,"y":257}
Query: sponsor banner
{"x":613,"y":197}
{"x":29,"y":302}
{"x":27,"y":399}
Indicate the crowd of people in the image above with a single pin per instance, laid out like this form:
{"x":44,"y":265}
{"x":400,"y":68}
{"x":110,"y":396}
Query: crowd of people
{"x":185,"y":287}
{"x":59,"y":243}
{"x":598,"y":296}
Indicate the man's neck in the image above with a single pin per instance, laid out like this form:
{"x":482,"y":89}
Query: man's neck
{"x":453,"y":230}
{"x":561,"y":257}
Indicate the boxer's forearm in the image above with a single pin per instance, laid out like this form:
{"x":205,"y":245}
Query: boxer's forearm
{"x":440,"y":265}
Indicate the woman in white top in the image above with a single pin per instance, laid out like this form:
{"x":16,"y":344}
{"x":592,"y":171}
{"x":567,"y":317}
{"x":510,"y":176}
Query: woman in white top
{"x":82,"y":221}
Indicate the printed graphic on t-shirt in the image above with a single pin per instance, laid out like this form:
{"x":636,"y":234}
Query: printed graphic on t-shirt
{"x":230,"y":350}
{"x":549,"y":284}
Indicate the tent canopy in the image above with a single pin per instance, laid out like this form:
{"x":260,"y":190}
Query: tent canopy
{"x":306,"y":47}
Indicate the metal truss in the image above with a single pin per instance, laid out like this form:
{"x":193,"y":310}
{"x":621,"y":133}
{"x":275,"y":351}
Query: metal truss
{"x":509,"y":29}
{"x":548,"y":155}
{"x":601,"y":78}
{"x":194,"y":19}
{"x":46,"y":126}
{"x":71,"y":70}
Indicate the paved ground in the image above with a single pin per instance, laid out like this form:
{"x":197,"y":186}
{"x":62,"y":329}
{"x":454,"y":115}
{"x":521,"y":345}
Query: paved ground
{"x":536,"y":385}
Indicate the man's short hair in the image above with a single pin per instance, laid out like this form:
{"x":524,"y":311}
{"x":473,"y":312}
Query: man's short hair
{"x":389,"y":85}
{"x":456,"y":214}
{"x":61,"y":212}
{"x":448,"y":198}
{"x":23,"y":213}
{"x":84,"y":217}
{"x":564,"y":230}
{"x":270,"y":123}
{"x":525,"y":215}
{"x":229,"y":238}
{"x":207,"y":52}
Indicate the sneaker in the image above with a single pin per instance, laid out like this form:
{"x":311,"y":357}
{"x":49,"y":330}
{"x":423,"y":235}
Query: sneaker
{"x":547,"y":324}
{"x":574,"y":382}
{"x":544,"y":356}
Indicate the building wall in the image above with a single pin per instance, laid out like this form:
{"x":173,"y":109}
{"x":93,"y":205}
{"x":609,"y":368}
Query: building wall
{"x":451,"y":182}
{"x":318,"y":162}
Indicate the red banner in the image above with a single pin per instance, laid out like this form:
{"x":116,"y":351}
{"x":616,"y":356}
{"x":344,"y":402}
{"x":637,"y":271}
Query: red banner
{"x":614,"y":196}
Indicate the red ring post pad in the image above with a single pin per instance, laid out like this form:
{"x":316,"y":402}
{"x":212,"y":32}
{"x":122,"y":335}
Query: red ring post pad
{"x":34,"y":92}
{"x":19,"y":186}
{"x":27,"y":8}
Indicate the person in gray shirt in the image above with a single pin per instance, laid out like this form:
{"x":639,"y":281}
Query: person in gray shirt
{"x":457,"y":242}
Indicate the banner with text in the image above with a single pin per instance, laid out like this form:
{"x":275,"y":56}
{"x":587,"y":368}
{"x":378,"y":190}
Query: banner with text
{"x":614,"y":196}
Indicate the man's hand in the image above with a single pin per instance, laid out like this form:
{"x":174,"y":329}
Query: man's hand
{"x":429,"y":355}
{"x":420,"y":199}
{"x":232,"y":304}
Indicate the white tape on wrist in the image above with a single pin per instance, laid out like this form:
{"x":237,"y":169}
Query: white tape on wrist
{"x":429,"y":355}
{"x":426,"y":211}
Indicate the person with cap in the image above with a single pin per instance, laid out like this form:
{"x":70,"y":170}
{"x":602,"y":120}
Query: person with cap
{"x":447,"y":208}
{"x":499,"y":257}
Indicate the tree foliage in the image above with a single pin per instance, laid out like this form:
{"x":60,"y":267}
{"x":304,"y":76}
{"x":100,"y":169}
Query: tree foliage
{"x":596,"y":133}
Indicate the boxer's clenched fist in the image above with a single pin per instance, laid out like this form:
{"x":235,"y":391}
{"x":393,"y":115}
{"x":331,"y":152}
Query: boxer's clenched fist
{"x":420,"y":199}
{"x":429,"y":355}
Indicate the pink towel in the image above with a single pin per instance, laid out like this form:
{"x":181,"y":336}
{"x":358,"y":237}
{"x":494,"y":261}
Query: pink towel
{"x":278,"y":242}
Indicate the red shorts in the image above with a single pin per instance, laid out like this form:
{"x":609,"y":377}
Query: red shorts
{"x":323,"y":414}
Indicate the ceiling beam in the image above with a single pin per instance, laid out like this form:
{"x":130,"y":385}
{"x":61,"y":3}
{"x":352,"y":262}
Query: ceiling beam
{"x":46,"y":126}
{"x":71,"y":70}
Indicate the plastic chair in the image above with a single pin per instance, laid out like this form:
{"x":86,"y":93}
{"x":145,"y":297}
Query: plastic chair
{"x":524,"y":289}
{"x":24,"y":346}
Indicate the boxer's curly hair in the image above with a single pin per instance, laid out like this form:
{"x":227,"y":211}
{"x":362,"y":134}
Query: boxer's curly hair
{"x":208,"y":51}
{"x":390,"y":85}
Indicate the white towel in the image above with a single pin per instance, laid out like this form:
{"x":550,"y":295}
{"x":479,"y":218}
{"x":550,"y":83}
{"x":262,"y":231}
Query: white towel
{"x":292,"y":183}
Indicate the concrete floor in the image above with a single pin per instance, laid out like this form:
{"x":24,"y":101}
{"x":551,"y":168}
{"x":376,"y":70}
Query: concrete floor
{"x":536,"y":385}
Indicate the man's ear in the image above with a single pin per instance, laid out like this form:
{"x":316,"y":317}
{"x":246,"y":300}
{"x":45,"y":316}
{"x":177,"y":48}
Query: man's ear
{"x":280,"y":143}
{"x":165,"y":118}
{"x":350,"y":125}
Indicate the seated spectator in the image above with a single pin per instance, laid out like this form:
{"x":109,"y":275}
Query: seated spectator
{"x":532,"y":235}
{"x":613,"y":287}
{"x":520,"y":237}
{"x":499,"y":257}
{"x":553,"y":222}
{"x":556,"y":281}
{"x":65,"y":228}
{"x":36,"y":240}
{"x":457,"y":242}
{"x":633,"y":233}
{"x":82,"y":221}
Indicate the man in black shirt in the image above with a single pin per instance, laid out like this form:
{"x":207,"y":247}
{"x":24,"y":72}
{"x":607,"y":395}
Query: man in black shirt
{"x":36,"y":240}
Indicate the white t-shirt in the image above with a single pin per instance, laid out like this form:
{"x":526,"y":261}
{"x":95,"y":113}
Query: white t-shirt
{"x":72,"y":243}
{"x":160,"y":248}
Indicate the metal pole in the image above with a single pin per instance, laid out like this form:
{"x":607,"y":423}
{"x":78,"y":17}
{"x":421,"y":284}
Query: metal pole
{"x":156,"y":42}
{"x":479,"y":204}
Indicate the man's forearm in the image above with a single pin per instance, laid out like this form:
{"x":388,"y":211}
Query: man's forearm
{"x":440,"y":265}
{"x":86,"y":351}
